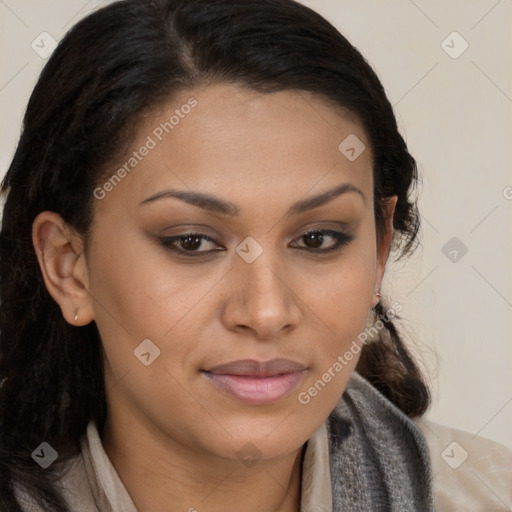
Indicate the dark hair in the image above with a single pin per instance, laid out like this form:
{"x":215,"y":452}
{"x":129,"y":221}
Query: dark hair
{"x":110,"y":68}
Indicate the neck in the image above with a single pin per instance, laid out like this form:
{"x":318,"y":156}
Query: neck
{"x":161,"y":474}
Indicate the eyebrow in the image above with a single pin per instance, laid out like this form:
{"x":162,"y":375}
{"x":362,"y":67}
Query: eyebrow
{"x":212,"y":203}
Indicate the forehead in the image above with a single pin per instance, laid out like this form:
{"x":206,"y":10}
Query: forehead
{"x":233,"y":141}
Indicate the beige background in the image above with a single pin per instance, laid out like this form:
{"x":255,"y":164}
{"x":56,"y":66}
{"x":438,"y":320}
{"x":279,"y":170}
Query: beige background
{"x":456,"y":115}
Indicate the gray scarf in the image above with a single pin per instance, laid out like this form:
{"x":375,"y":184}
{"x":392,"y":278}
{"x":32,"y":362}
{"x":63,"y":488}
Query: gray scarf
{"x":379,"y":460}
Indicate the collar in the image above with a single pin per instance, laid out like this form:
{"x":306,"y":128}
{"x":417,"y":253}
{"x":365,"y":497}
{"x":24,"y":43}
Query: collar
{"x":110,"y":494}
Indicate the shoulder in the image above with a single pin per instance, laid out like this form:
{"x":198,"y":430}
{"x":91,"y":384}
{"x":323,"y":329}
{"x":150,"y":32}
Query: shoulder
{"x":469,"y":472}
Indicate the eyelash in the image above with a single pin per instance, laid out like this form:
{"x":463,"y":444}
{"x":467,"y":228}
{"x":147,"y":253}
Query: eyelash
{"x":340,"y":240}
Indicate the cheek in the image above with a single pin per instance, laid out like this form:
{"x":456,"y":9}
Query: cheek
{"x":137,"y":288}
{"x":345,"y":297}
{"x":342,"y":309}
{"x":137,"y":294}
{"x":341,"y":306}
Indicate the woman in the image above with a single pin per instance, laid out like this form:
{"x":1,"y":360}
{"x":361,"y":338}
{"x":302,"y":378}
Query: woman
{"x":197,"y":223}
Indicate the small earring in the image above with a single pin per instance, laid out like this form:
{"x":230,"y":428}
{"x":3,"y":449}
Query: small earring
{"x":76,"y":315}
{"x":378,"y":294}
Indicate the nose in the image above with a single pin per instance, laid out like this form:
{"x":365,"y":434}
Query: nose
{"x":261,"y":299}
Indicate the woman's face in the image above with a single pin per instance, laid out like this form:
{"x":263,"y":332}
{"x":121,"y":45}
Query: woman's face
{"x":253,"y":282}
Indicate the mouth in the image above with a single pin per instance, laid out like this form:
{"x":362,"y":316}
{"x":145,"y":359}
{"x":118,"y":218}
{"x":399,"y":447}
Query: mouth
{"x":256,"y":382}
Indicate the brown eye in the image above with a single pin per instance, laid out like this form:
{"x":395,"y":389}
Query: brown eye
{"x":189,"y":244}
{"x":314,"y":240}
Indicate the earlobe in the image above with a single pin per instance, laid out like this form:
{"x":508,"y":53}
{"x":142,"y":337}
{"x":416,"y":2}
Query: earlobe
{"x":62,"y":262}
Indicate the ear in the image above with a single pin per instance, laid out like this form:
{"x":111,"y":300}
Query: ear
{"x":384,"y":244}
{"x":61,"y":258}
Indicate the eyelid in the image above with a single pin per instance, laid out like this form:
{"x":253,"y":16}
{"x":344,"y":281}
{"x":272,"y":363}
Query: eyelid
{"x":188,"y":229}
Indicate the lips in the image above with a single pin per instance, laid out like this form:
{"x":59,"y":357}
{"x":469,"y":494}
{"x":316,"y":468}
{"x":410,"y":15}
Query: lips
{"x":256,"y":382}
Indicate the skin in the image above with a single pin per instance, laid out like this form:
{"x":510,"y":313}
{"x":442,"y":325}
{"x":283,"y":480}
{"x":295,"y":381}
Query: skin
{"x":171,"y":435}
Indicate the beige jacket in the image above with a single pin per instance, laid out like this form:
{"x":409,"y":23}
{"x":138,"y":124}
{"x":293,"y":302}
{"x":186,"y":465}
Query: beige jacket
{"x":471,"y":473}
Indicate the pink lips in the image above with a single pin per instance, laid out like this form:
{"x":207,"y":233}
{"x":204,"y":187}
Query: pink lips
{"x":257,"y":382}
